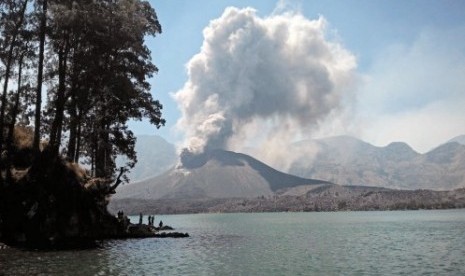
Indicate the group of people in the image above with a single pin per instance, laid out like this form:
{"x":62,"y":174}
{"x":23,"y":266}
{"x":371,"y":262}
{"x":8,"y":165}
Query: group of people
{"x":151,"y":220}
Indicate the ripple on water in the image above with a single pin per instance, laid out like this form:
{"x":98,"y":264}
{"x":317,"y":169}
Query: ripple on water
{"x":350,"y":243}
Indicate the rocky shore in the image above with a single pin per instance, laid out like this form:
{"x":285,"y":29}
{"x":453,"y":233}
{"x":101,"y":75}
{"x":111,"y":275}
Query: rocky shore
{"x":325,"y":198}
{"x":129,"y":230}
{"x":47,"y":202}
{"x":147,"y":231}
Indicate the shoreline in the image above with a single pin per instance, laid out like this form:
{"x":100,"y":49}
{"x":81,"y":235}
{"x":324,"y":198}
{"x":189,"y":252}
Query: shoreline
{"x":332,"y":199}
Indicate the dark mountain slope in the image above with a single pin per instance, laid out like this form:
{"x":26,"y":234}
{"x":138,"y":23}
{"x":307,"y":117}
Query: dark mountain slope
{"x":215,"y":174}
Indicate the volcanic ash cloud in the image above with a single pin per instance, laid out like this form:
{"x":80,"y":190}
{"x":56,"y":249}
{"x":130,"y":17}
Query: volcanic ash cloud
{"x":258,"y":80}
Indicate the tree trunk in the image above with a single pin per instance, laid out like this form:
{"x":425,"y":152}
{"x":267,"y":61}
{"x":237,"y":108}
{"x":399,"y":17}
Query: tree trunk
{"x":78,"y":138}
{"x":5,"y":90}
{"x":103,"y":154}
{"x":14,"y":114}
{"x":100,"y":154}
{"x":40,"y":69}
{"x":57,"y":124}
{"x":93,"y":153}
{"x":71,"y":152}
{"x":73,"y":113}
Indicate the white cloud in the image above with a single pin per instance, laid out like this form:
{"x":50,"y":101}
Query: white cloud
{"x":267,"y":81}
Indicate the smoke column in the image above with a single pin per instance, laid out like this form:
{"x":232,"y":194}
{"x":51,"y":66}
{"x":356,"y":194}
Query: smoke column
{"x":261,"y":81}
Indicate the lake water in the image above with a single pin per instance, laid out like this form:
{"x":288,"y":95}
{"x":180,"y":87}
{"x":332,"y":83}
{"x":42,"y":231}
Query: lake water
{"x":343,"y":243}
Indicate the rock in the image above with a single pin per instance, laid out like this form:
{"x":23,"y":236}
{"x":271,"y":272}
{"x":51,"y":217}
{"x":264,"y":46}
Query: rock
{"x":172,"y":235}
{"x":140,"y":231}
{"x":130,"y":230}
{"x":165,"y":227}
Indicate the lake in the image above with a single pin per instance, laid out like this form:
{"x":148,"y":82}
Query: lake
{"x":341,"y":243}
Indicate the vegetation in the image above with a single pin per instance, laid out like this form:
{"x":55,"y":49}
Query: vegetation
{"x":327,"y":198}
{"x":90,"y":60}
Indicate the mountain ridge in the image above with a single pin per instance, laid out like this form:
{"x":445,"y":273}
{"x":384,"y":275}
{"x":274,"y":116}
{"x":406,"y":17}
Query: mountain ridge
{"x":347,"y":160}
{"x":392,"y":177}
{"x":396,"y":165}
{"x":216,"y":174}
{"x":459,"y":139}
{"x":155,"y":155}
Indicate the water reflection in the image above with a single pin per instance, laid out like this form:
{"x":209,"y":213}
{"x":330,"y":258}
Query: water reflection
{"x":81,"y":262}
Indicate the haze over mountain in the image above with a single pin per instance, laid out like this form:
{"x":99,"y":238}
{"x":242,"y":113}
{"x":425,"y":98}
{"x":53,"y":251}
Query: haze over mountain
{"x":215,"y":174}
{"x":459,"y":139}
{"x":348,"y":161}
{"x":343,"y":160}
{"x":154,"y":154}
{"x":224,"y":181}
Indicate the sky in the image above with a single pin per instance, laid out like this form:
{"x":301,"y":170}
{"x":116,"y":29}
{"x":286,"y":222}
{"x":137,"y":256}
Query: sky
{"x":239,"y":74}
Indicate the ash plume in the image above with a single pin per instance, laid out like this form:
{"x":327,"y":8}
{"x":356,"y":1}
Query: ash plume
{"x":261,"y":81}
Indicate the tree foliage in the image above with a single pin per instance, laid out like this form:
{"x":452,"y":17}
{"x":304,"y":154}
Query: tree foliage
{"x":91,"y":60}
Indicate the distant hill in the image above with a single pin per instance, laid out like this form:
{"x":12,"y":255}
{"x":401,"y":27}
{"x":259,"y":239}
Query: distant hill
{"x":155,"y":156}
{"x":343,"y":160}
{"x":224,"y":181}
{"x":459,"y":139}
{"x":316,"y":198}
{"x":215,"y":174}
{"x":348,"y":161}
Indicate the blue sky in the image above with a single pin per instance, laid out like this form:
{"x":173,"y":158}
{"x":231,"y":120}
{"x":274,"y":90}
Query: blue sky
{"x":410,"y":57}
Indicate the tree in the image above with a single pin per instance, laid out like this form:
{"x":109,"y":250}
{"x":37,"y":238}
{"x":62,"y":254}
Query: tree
{"x":13,"y":21}
{"x":19,"y":99}
{"x":40,"y":68}
{"x":61,"y":46}
{"x":98,"y":69}
{"x":108,"y":82}
{"x":92,"y":65}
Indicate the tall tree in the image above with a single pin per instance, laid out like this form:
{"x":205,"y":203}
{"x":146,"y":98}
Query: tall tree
{"x":61,"y":44}
{"x":108,"y":81}
{"x":40,"y":68}
{"x":25,"y":53}
{"x":12,"y":32}
{"x":95,"y":79}
{"x":97,"y":69}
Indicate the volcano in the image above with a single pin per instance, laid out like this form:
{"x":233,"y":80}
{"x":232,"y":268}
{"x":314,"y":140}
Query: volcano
{"x":215,"y":174}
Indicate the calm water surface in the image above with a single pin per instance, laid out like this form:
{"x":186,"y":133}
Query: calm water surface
{"x":344,"y":243}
